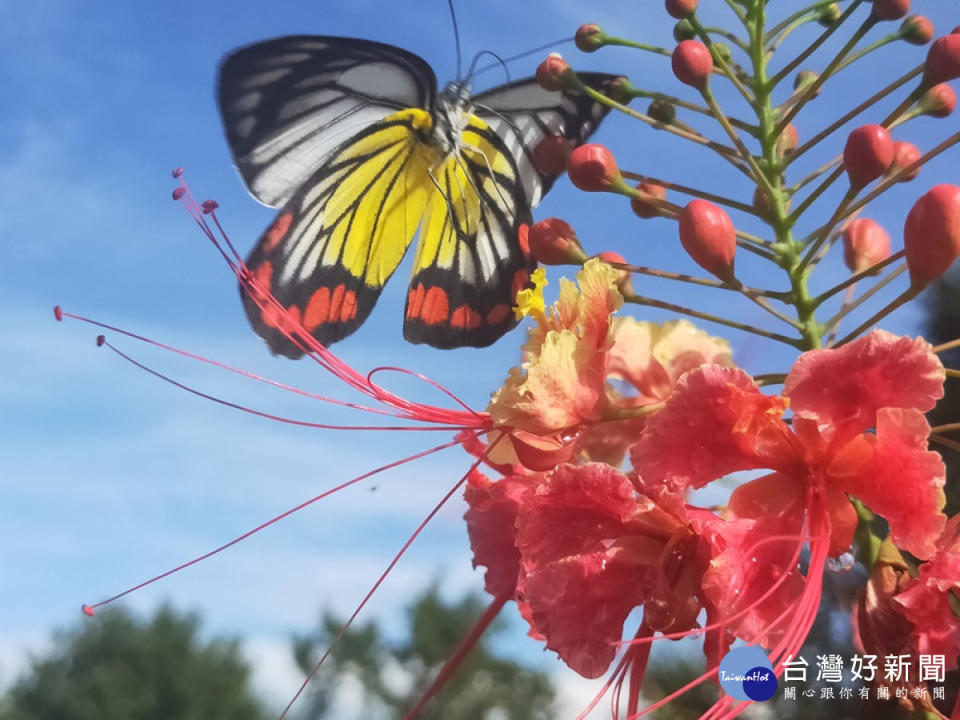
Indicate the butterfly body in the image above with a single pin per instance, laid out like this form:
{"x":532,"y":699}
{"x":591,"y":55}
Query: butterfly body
{"x":361,"y":153}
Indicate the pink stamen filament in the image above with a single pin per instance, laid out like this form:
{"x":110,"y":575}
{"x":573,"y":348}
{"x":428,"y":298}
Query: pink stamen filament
{"x":380,"y":580}
{"x":88,"y":609}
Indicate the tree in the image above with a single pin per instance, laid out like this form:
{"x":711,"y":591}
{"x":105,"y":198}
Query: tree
{"x":116,"y":667}
{"x":482,"y":684}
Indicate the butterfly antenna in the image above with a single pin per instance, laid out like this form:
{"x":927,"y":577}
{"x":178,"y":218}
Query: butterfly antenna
{"x":456,"y":37}
{"x":500,"y":62}
{"x":526,"y":53}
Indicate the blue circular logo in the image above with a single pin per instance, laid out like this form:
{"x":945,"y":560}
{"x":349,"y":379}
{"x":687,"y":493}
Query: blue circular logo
{"x":745,"y":673}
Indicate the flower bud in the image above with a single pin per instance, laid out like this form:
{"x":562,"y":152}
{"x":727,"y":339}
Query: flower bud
{"x":623,"y":282}
{"x":943,"y":61}
{"x":828,"y":15}
{"x":931,"y":235}
{"x":867,"y":154}
{"x":551,"y":154}
{"x":707,"y":235}
{"x":721,"y":51}
{"x":890,"y":9}
{"x":681,"y":9}
{"x":692,"y":63}
{"x":662,"y":111}
{"x":939,"y":101}
{"x":553,"y":242}
{"x":904,"y":155}
{"x":619,"y":89}
{"x":592,"y":168}
{"x":590,"y":37}
{"x":916,"y":30}
{"x":554,"y":73}
{"x":788,"y":141}
{"x":805,"y":79}
{"x":684,"y":30}
{"x":644,"y":209}
{"x":865,"y":243}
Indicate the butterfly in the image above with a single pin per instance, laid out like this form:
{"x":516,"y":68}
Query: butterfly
{"x":353,"y":142}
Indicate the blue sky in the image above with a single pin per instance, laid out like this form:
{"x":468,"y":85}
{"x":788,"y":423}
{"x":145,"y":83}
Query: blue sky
{"x":107,"y":475}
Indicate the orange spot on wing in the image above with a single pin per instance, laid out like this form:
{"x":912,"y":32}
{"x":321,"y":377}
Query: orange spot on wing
{"x":496,"y":314}
{"x":520,"y":280}
{"x":348,"y":310}
{"x":415,"y":301}
{"x":318,"y":309}
{"x":262,"y":276}
{"x":436,"y":306}
{"x":523,"y":238}
{"x":276,"y":232}
{"x":336,"y":301}
{"x":465,"y":317}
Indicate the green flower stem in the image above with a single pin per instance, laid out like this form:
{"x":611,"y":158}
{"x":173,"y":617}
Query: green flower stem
{"x":798,"y":23}
{"x":758,"y":175}
{"x":814,"y":87}
{"x":809,"y":10}
{"x":767,"y":306}
{"x":832,"y":331}
{"x":736,"y":10}
{"x":726,"y":35}
{"x":853,"y":279}
{"x":895,"y":85}
{"x":914,"y":95}
{"x":650,"y":302}
{"x":892,"y":37}
{"x":638,"y":93}
{"x":728,"y":153}
{"x":793,"y":189}
{"x":706,"y":282}
{"x":718,"y":199}
{"x":815,"y":45}
{"x":719,"y":61}
{"x":833,"y":322}
{"x":769,"y":379}
{"x":905,"y":297}
{"x":623,"y":42}
{"x":868,"y":543}
{"x":812,"y":197}
{"x":824,"y":233}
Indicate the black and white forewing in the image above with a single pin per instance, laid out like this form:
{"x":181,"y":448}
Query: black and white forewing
{"x":288,"y":103}
{"x":523,"y":114}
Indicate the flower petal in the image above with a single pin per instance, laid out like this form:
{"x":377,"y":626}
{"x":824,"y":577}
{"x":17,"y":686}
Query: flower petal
{"x":845,"y":387}
{"x":903,"y":481}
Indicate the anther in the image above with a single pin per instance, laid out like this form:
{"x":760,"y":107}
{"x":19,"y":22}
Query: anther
{"x":177,"y":173}
{"x":58,"y":313}
{"x":100,"y":340}
{"x":179,"y":193}
{"x":209,"y":206}
{"x":87,"y":610}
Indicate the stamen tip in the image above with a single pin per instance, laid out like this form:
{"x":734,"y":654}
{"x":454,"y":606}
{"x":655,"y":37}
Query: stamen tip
{"x":101,"y":340}
{"x":179,"y":193}
{"x":87,"y":610}
{"x":58,"y":313}
{"x":209,"y":206}
{"x":177,"y":173}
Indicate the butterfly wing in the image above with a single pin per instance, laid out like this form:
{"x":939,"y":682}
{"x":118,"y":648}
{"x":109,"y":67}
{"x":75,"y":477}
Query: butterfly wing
{"x":473,"y":256}
{"x":288,"y":103}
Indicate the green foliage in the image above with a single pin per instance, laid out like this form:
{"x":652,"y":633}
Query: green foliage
{"x":116,"y":667}
{"x":482,"y":684}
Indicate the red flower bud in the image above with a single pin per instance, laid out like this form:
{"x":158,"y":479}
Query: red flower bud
{"x":939,"y":101}
{"x":592,"y":168}
{"x":590,"y":37}
{"x":550,"y":155}
{"x":554,"y":73}
{"x":788,"y":141}
{"x":692,"y":63}
{"x":943,"y":61}
{"x":707,"y":235}
{"x":890,"y":9}
{"x":867,"y":155}
{"x":642,"y":208}
{"x":931,"y":235}
{"x":553,"y":242}
{"x":623,"y":282}
{"x":681,"y":9}
{"x":904,"y":155}
{"x":865,"y":243}
{"x":917,"y":30}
